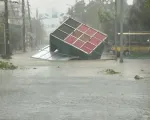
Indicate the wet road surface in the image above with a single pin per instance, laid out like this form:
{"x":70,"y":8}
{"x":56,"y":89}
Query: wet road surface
{"x":70,"y":92}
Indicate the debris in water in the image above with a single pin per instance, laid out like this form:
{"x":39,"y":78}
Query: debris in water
{"x":7,"y":66}
{"x":111,"y":71}
{"x":137,"y":77}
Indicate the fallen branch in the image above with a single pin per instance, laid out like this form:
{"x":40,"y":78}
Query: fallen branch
{"x":111,"y":72}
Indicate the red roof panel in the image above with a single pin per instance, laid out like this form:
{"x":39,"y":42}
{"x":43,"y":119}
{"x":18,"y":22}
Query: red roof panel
{"x":78,"y":43}
{"x":82,"y":37}
{"x":89,"y":45}
{"x":85,"y":38}
{"x":71,"y":39}
{"x":77,"y":33}
{"x":95,"y":41}
{"x":83,"y":28}
{"x":100,"y":36}
{"x":91,"y":32}
{"x":85,"y":49}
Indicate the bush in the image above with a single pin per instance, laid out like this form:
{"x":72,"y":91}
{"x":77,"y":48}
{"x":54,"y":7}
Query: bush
{"x":7,"y":66}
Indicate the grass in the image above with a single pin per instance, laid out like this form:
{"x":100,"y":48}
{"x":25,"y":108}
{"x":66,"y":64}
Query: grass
{"x":7,"y":66}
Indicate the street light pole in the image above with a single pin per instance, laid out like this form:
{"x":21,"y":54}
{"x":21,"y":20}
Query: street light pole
{"x":121,"y":29}
{"x":23,"y":25}
{"x":7,"y":29}
{"x":116,"y":26}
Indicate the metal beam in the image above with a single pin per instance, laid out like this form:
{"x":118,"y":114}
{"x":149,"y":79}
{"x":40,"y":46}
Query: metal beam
{"x":135,"y":33}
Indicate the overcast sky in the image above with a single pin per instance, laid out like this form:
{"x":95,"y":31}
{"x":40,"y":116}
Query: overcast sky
{"x":58,"y":5}
{"x":47,"y":5}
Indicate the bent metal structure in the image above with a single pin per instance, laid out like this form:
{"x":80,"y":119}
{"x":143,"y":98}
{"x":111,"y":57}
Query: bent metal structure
{"x":73,"y":38}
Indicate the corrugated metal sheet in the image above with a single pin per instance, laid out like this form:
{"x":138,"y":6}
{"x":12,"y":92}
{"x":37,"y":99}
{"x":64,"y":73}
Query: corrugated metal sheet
{"x":45,"y":54}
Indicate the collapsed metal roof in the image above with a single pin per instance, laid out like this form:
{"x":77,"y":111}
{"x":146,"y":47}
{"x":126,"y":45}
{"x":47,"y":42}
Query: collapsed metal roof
{"x":45,"y":54}
{"x":79,"y":35}
{"x":76,"y":34}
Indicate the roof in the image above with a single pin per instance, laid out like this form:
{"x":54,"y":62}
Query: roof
{"x":45,"y":54}
{"x":79,"y":35}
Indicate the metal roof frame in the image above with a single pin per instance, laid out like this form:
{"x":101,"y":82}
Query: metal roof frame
{"x":89,"y":27}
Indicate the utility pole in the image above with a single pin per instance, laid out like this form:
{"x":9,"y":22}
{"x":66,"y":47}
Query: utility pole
{"x":37,"y":18}
{"x":29,"y":16}
{"x":121,"y":29}
{"x":7,"y":29}
{"x":116,"y":26}
{"x":23,"y":25}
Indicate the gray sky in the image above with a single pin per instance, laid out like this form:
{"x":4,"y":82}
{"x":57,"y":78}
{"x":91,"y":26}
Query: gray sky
{"x":46,"y":5}
{"x":60,"y":6}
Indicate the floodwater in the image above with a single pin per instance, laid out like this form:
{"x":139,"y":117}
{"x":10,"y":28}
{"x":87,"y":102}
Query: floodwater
{"x":75,"y":91}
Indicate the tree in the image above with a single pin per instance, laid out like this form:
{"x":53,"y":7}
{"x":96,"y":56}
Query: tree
{"x":97,"y":14}
{"x":77,"y":10}
{"x":139,"y":16}
{"x":147,"y":3}
{"x":38,"y":31}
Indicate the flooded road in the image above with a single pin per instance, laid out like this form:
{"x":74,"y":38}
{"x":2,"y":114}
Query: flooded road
{"x":66,"y":91}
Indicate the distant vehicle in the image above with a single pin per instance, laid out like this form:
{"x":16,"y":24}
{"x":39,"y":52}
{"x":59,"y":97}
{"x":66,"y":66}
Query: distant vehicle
{"x":143,"y":47}
{"x":54,"y":15}
{"x":135,"y":42}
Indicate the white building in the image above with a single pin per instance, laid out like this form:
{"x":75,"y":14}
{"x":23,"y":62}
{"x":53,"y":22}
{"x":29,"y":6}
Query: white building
{"x":14,"y":8}
{"x":15,"y":15}
{"x":1,"y":10}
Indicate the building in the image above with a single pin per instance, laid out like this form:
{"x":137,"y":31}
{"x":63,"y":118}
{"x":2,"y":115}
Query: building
{"x":14,"y":9}
{"x":1,"y":11}
{"x":15,"y":14}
